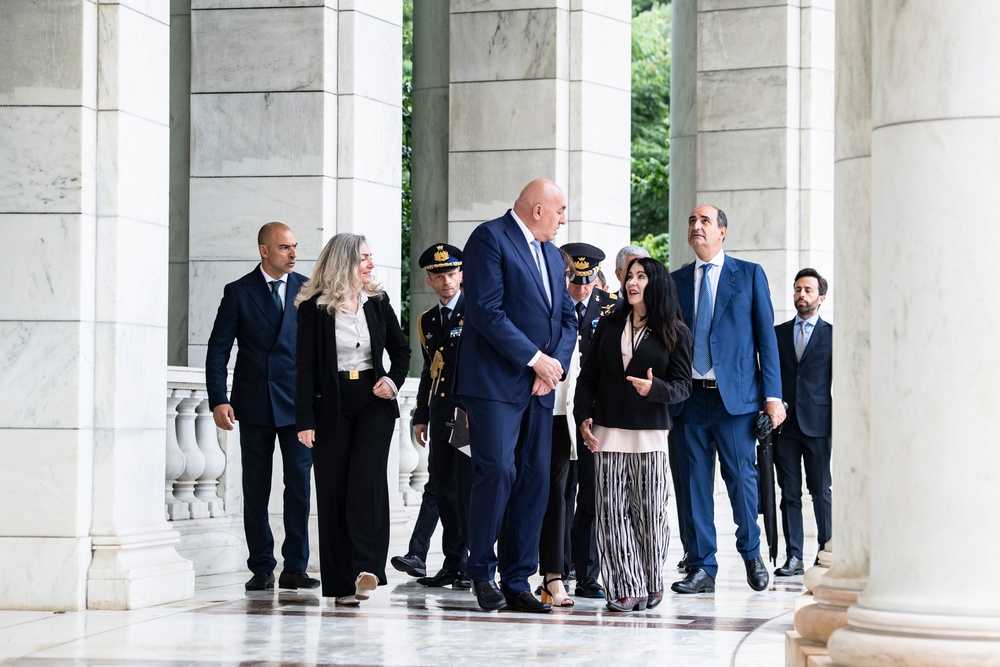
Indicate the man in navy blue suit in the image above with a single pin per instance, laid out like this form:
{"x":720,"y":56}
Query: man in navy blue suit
{"x":805,"y":346}
{"x":727,"y":303}
{"x":257,"y":312}
{"x":520,"y":329}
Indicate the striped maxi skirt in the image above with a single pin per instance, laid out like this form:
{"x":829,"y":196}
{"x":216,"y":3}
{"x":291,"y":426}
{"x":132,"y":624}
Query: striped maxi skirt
{"x":633,"y":530}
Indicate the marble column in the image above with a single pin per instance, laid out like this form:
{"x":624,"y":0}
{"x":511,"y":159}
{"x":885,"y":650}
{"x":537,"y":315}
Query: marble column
{"x":263,"y":109}
{"x":429,"y":162}
{"x":936,"y":122}
{"x":683,"y":126}
{"x":369,"y":131}
{"x":540,"y":89}
{"x":180,"y":179}
{"x":768,"y":163}
{"x":83,"y":186}
{"x":839,"y":588}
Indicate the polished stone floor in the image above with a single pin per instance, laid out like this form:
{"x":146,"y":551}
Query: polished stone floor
{"x":407,"y":624}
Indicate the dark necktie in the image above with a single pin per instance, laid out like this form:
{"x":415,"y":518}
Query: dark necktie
{"x":581,"y":308}
{"x":702,"y":356}
{"x":445,"y":316}
{"x":275,"y":284}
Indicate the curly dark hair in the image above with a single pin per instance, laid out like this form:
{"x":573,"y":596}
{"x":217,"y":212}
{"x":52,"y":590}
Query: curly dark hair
{"x":663,"y":306}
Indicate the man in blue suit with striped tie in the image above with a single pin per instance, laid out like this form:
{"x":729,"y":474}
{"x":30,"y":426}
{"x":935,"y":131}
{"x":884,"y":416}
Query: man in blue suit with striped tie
{"x":736,"y":375}
{"x":520,"y":329}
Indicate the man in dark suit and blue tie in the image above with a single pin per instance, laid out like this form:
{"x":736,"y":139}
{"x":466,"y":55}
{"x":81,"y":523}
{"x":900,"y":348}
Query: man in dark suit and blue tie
{"x":805,"y":346}
{"x":735,"y":376}
{"x":520,"y":329}
{"x":256,"y":312}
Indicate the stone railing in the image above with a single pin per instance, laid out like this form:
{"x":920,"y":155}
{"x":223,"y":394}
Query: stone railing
{"x":203,"y":494}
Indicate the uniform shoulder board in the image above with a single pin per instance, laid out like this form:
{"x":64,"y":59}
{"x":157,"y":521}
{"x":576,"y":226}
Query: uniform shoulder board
{"x":614,"y":297}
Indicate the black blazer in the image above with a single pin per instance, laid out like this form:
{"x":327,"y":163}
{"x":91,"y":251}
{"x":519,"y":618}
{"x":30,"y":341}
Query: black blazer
{"x":438,"y":408}
{"x":317,"y":386}
{"x":603,"y":393}
{"x":806,"y":383}
{"x":264,"y":376}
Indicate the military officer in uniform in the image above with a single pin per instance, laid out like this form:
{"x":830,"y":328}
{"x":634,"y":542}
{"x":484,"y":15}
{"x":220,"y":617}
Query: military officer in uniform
{"x":449,"y":470}
{"x":590,"y":305}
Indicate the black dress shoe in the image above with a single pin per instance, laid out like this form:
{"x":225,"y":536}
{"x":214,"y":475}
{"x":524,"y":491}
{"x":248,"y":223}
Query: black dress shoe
{"x":572,"y":574}
{"x":697,"y":581}
{"x":793,"y":567}
{"x":297,"y":580}
{"x":462,"y":582}
{"x":444,"y":577}
{"x":589,"y":588}
{"x":410,"y":564}
{"x":525,"y":601}
{"x":488,"y":595}
{"x":260,"y":581}
{"x":757,"y":575}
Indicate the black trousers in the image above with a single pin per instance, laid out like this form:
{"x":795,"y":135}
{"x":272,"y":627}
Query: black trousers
{"x":257,"y":454}
{"x":552,"y":543}
{"x":584,"y":532}
{"x":427,"y":518}
{"x":352,"y":492}
{"x":451,"y":472}
{"x":794,"y":450}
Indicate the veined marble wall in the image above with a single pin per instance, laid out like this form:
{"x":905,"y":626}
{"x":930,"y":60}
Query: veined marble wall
{"x":541,"y":89}
{"x":295,"y":116}
{"x":752,"y":133}
{"x":83,"y":193}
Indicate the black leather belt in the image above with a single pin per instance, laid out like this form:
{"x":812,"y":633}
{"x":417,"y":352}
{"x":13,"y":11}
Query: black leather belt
{"x":356,"y":375}
{"x":706,"y":384}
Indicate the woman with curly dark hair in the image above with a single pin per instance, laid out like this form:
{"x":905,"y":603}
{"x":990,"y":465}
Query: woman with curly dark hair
{"x":639,"y":362}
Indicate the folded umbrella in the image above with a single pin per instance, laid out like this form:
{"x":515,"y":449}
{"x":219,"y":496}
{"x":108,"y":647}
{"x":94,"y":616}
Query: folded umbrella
{"x":765,"y":483}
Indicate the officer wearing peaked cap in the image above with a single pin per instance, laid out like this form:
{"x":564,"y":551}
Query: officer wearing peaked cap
{"x":446,"y":493}
{"x":590,"y":305}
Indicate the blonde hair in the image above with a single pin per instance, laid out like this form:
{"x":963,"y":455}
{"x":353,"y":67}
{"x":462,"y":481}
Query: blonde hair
{"x":335,"y":277}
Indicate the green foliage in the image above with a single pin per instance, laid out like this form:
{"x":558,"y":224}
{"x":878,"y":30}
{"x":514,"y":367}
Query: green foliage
{"x":406,"y":156}
{"x":650,"y":118}
{"x":658,"y":246}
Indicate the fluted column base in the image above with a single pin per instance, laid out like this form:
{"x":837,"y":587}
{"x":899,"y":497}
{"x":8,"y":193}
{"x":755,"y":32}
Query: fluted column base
{"x":816,"y":622}
{"x":876,"y":638}
{"x":135,"y":571}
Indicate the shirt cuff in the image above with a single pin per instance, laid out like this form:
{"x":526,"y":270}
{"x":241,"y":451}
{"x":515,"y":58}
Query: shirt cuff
{"x":395,"y":391}
{"x":534,"y":359}
{"x":772,"y":398}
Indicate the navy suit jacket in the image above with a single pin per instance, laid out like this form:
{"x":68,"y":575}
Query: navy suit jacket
{"x":601,"y":303}
{"x":437,"y":408}
{"x":806,"y":382}
{"x":507,"y":316}
{"x":744,"y":349}
{"x":264,"y":376}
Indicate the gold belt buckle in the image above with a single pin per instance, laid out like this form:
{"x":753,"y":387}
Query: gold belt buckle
{"x":353,"y":374}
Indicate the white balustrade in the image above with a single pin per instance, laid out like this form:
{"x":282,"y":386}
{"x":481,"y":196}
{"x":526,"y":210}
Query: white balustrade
{"x":207,"y":437}
{"x":194,"y":460}
{"x":411,"y":468}
{"x":175,"y":509}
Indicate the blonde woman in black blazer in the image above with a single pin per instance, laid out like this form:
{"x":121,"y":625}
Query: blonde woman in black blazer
{"x":639,"y":362}
{"x":345,"y":410}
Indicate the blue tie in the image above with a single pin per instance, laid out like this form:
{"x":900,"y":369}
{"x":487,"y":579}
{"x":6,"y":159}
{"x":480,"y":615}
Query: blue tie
{"x":702,"y":359}
{"x":537,"y":247}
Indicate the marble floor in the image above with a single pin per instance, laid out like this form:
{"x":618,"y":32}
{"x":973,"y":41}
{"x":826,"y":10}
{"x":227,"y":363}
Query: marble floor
{"x":407,"y":624}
